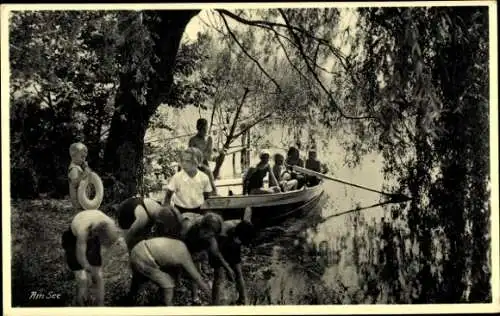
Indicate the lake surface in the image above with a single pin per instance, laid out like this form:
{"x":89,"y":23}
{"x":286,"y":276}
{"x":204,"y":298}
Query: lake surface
{"x":329,"y":248}
{"x":308,"y":261}
{"x":338,"y":261}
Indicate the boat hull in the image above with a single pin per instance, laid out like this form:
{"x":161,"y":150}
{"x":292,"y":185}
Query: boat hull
{"x":267,"y":209}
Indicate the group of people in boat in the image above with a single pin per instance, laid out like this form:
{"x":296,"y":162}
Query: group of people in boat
{"x":281,"y":175}
{"x":170,"y":239}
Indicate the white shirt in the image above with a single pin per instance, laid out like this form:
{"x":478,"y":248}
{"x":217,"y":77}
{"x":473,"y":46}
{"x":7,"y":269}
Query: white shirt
{"x":188,"y":191}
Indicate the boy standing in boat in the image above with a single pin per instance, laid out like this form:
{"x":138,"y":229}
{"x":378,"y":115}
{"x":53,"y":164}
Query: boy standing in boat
{"x":204,"y":144}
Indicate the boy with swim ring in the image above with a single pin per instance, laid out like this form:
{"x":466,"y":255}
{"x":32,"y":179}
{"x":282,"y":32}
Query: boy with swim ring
{"x":78,"y":175}
{"x":82,"y":242}
{"x":78,"y":170}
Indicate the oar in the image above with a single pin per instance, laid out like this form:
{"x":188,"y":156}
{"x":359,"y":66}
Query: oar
{"x":395,"y":197}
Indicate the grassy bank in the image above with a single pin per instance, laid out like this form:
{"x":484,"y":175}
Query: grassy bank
{"x":38,"y":263}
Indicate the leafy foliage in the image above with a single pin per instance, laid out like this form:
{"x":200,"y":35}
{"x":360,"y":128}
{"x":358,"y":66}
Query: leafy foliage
{"x":66,"y":68}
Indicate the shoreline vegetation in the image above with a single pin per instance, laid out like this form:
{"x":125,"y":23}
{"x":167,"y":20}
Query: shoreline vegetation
{"x":36,"y":229}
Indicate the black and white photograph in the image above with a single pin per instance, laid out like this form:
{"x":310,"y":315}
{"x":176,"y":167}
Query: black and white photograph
{"x":232,"y":155}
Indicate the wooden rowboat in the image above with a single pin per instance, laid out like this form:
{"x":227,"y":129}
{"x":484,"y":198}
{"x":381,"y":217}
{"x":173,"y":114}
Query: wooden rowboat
{"x":267,"y":209}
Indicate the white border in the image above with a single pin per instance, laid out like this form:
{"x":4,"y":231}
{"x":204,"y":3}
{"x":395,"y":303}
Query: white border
{"x":249,"y":310}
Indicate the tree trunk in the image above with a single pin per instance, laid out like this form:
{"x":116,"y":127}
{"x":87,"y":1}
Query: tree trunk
{"x":124,"y":154}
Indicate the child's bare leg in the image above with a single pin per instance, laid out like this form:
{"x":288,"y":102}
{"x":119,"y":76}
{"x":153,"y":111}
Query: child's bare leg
{"x":98,"y":280}
{"x":240,"y":285}
{"x":168,"y":296}
{"x":216,"y":287}
{"x":82,"y":283}
{"x":194,"y":285}
{"x":291,"y":185}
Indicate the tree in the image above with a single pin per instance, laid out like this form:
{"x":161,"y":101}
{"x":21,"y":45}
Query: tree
{"x":70,"y":90}
{"x":160,"y":33}
{"x":433,"y":109}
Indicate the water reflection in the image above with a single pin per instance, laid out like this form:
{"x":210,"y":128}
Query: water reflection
{"x":345,"y":260}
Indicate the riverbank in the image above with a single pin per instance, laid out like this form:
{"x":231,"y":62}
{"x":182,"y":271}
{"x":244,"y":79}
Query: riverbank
{"x":38,"y":264}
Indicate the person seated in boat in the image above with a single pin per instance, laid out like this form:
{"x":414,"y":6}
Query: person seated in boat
{"x":285,"y":181}
{"x":235,"y":234}
{"x":293,"y":159}
{"x":204,"y":144}
{"x":191,"y":186}
{"x":312,"y":163}
{"x":160,"y":260}
{"x":88,"y":233}
{"x":137,"y":216}
{"x":200,"y":233}
{"x":253,"y":181}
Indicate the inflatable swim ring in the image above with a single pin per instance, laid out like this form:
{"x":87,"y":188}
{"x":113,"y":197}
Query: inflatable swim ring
{"x":87,"y":203}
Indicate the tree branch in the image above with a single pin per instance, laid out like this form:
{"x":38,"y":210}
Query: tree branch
{"x":248,"y":54}
{"x":290,"y":61}
{"x":315,"y":75}
{"x":269,"y":25}
{"x":262,"y":23}
{"x":250,"y":125}
{"x":231,"y":136}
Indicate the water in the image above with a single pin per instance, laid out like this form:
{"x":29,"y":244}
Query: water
{"x":338,"y":261}
{"x":330,"y":262}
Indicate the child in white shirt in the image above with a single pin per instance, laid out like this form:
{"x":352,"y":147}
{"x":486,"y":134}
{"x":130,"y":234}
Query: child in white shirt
{"x":191,"y":186}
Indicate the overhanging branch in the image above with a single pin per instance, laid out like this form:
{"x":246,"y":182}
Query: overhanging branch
{"x":270,"y":26}
{"x":315,"y":75}
{"x":250,"y":125}
{"x":248,"y":54}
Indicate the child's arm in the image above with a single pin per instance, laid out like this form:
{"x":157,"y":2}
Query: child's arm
{"x":76,"y":175}
{"x":208,"y":148}
{"x":81,"y":250}
{"x":272,"y":178}
{"x":191,"y":142}
{"x":209,"y":188}
{"x":171,"y":188}
{"x":214,"y":250}
{"x":246,"y":177}
{"x":168,"y":197}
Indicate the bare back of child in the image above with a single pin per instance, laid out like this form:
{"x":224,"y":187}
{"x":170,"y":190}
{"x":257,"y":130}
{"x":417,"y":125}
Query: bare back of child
{"x":137,"y":216}
{"x":159,"y":260}
{"x":82,"y":243}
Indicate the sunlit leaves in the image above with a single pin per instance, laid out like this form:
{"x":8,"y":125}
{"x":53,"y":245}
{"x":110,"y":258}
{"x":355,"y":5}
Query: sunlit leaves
{"x":428,"y":70}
